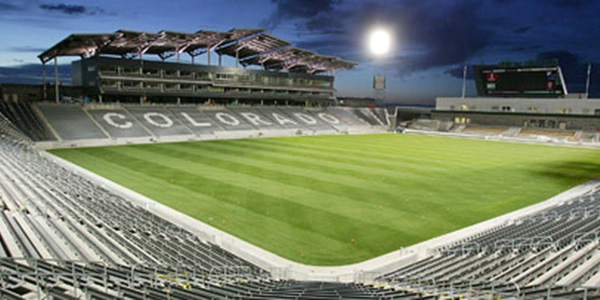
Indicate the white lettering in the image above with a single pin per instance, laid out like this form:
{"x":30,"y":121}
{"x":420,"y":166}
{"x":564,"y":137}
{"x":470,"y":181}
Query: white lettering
{"x":166,"y":121}
{"x":109,"y":119}
{"x":329,"y":118}
{"x":283,"y":120}
{"x":227,"y":119}
{"x":306,"y":118}
{"x":255,"y":119}
{"x":194,"y":122}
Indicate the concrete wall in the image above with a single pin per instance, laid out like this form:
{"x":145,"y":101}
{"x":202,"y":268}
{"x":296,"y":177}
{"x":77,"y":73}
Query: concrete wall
{"x":521,"y":105}
{"x":570,"y":122}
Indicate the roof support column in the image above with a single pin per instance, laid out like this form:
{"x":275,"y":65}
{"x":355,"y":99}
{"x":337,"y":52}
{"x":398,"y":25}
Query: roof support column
{"x":237,"y":59}
{"x":45,"y":95}
{"x":192,"y":58}
{"x":220,"y":59}
{"x":208,"y":56}
{"x":56,"y":91}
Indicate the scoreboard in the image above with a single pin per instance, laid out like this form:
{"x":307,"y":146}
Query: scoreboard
{"x":527,"y":81}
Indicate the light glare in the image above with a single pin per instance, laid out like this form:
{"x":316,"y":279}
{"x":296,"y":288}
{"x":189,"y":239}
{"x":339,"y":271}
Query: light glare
{"x":379,"y":42}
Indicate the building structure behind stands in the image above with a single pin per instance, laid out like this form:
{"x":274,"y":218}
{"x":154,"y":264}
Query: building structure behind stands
{"x":114,"y":67}
{"x":527,"y":95}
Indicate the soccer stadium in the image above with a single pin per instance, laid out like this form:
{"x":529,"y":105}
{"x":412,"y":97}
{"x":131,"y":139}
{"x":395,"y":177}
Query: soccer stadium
{"x":161,"y":172}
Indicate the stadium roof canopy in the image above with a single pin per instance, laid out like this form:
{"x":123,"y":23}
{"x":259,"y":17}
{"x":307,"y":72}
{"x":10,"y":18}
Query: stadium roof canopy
{"x":296,"y":59}
{"x":248,"y":46}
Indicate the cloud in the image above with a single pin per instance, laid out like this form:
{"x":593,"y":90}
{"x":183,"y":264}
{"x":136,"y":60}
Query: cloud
{"x":4,"y":7}
{"x":521,"y":30}
{"x":443,"y":38}
{"x":457,"y":72}
{"x":73,"y":9}
{"x":315,"y":11}
{"x":573,"y":67}
{"x":428,"y":34}
{"x":26,"y":48}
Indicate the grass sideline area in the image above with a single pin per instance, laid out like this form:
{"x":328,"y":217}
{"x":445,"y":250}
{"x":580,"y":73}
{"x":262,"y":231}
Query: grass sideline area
{"x":334,"y":200}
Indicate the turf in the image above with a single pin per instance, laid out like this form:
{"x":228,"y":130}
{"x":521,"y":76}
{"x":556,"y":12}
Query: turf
{"x":333,"y":200}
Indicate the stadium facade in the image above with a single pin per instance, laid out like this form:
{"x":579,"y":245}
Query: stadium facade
{"x":531,"y":95}
{"x":113,"y":68}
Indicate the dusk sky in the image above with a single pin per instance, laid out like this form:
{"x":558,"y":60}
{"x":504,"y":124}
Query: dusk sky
{"x":431,"y":39}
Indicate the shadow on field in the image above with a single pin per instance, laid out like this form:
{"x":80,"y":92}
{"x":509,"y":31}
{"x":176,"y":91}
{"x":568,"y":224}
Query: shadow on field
{"x":568,"y":171}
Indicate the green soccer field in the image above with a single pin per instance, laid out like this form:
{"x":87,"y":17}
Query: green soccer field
{"x":333,"y":200}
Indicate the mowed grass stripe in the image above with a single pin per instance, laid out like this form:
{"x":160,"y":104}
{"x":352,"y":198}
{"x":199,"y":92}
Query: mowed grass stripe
{"x":238,"y":216}
{"x":387,"y":172}
{"x":342,"y":155}
{"x":404,"y":190}
{"x":359,"y":165}
{"x":254,"y":168}
{"x":428,"y":146}
{"x":304,"y":195}
{"x":406,"y":185}
{"x":376,"y":153}
{"x":265,"y":165}
{"x":530,"y":157}
{"x":320,"y":201}
{"x":403,"y":179}
{"x":258,"y":203}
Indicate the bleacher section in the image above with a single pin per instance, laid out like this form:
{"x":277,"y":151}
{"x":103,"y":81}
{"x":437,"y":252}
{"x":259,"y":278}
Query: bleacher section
{"x":517,"y":134}
{"x":551,"y":251}
{"x":73,"y":123}
{"x":125,"y":121}
{"x":23,"y":116}
{"x":52,"y":213}
{"x":70,"y":280}
{"x":64,"y":237}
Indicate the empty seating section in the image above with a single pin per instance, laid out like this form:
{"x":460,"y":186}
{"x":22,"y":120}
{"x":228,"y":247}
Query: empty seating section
{"x":71,"y":122}
{"x":555,"y":248}
{"x":69,"y":280}
{"x":51,"y":213}
{"x":227,"y":119}
{"x":22,"y":115}
{"x":196,"y":120}
{"x":75,"y":122}
{"x":158,"y":120}
{"x":63,"y":236}
{"x":9,"y":131}
{"x":119,"y":123}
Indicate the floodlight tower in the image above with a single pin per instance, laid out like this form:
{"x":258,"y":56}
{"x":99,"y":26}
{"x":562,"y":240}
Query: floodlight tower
{"x":379,"y":45}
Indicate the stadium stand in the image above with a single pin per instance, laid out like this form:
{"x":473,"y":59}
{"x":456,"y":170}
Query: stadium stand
{"x":23,"y":116}
{"x":63,"y":236}
{"x":126,"y":121}
{"x":71,"y":122}
{"x":554,"y":251}
{"x":158,"y":120}
{"x":131,"y":123}
{"x":79,"y":239}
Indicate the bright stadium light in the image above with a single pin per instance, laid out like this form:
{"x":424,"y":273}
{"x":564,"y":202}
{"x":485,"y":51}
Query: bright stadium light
{"x":379,"y":42}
